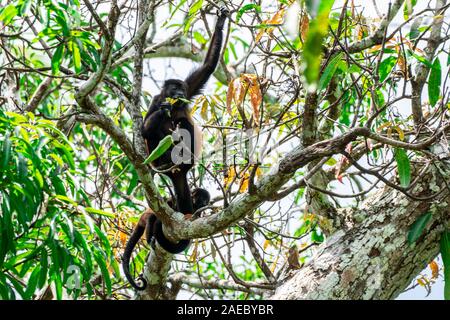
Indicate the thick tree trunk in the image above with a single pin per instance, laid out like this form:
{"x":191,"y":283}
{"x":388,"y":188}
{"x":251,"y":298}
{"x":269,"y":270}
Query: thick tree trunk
{"x":370,"y":257}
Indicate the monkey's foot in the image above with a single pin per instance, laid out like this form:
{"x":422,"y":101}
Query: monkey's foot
{"x":175,"y":170}
{"x":188,"y":216}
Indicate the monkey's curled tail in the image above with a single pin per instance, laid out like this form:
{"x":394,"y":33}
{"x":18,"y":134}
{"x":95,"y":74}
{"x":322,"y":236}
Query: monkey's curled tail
{"x":134,"y":238}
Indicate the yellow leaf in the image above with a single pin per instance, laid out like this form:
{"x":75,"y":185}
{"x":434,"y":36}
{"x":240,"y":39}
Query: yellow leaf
{"x":421,"y":282}
{"x":401,"y":134}
{"x":204,"y":110}
{"x":274,"y":264}
{"x":194,"y":254}
{"x":258,"y":172}
{"x":361,"y":31}
{"x":171,"y":100}
{"x":308,"y":216}
{"x":277,"y":18}
{"x":244,"y":183}
{"x":384,"y":125}
{"x":266,"y":244}
{"x":259,"y":35}
{"x":229,"y":177}
{"x":389,"y":132}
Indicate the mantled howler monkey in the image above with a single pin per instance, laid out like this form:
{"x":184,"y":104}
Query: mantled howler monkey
{"x":166,"y":116}
{"x":153,"y":230}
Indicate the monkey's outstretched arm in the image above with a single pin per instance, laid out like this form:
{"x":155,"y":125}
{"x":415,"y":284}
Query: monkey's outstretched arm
{"x":197,"y":79}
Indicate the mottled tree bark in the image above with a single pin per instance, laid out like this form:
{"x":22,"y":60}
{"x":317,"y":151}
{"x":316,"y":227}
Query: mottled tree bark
{"x":370,"y":257}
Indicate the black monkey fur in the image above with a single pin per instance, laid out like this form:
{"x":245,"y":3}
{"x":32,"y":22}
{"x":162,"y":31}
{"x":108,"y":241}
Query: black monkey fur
{"x":153,"y":230}
{"x":163,"y":118}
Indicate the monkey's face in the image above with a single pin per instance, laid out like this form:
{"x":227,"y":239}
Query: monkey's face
{"x":175,"y":90}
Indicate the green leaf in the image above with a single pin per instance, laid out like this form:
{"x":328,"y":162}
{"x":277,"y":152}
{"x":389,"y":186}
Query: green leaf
{"x":403,"y":166}
{"x":63,"y":23}
{"x":43,"y":269}
{"x":434,"y":82}
{"x":101,"y":262}
{"x":329,"y":71}
{"x":319,"y":7}
{"x":86,"y":252}
{"x":6,"y":152}
{"x":312,"y":51}
{"x":32,"y":283}
{"x":418,"y":226}
{"x":414,"y":31}
{"x":162,"y":147}
{"x":317,"y":237}
{"x":445,"y":254}
{"x":76,"y":56}
{"x":100,"y":212}
{"x":247,"y":7}
{"x":57,"y":58}
{"x":331,"y":162}
{"x":8,"y":13}
{"x":325,"y":7}
{"x":187,"y":24}
{"x":408,"y":8}
{"x":195,"y":7}
{"x":420,"y":59}
{"x":386,"y":67}
{"x":199,"y":37}
{"x":58,"y":285}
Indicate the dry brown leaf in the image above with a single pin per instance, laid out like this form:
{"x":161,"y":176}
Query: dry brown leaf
{"x":251,"y":82}
{"x":293,"y":258}
{"x":402,"y":65}
{"x":255,"y":99}
{"x":434,"y":269}
{"x":277,"y":18}
{"x":213,"y":251}
{"x":239,"y":91}
{"x":304,"y":26}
